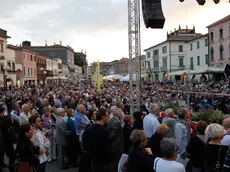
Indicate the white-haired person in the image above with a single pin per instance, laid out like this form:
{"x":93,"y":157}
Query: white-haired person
{"x":169,"y":150}
{"x":214,"y":153}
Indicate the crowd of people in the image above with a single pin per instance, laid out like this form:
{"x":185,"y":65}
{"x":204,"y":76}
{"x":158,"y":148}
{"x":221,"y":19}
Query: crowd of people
{"x":81,"y":126}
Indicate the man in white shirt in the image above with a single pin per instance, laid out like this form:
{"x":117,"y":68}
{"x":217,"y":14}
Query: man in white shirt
{"x":24,"y":116}
{"x":151,"y":123}
{"x":40,"y":140}
{"x":226,"y":140}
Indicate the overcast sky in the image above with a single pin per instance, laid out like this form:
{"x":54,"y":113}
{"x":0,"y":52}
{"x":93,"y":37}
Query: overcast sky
{"x":97,"y":26}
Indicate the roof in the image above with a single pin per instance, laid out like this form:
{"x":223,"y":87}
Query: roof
{"x":79,"y":53}
{"x":20,"y":48}
{"x":50,"y":46}
{"x":198,"y":37}
{"x":3,"y":33}
{"x":220,"y":21}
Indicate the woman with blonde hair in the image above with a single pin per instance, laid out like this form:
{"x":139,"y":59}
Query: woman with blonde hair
{"x":214,"y":153}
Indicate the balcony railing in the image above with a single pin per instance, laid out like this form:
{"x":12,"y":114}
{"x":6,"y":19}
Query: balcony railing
{"x":181,"y":67}
{"x":11,"y":72}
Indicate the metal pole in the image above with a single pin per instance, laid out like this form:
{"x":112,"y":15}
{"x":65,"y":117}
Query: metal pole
{"x":189,"y":73}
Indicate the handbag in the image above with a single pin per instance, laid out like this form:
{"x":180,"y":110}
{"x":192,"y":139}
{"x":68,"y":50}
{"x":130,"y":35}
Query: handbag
{"x":24,"y":167}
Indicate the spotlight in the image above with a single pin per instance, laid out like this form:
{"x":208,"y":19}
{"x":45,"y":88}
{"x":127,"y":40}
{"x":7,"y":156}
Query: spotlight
{"x":181,"y":0}
{"x":216,"y":1}
{"x":201,"y":2}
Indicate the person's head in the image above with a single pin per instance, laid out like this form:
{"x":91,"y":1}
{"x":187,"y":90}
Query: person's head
{"x":163,"y":130}
{"x":226,"y":123}
{"x":214,"y":131}
{"x":61,"y":112}
{"x":81,"y":109}
{"x":25,"y":131}
{"x":138,"y":138}
{"x":46,"y":111}
{"x":138,"y":115}
{"x":2,"y":111}
{"x":113,"y":109}
{"x":201,"y":126}
{"x":169,"y":148}
{"x":71,"y":113}
{"x":169,"y":113}
{"x":92,"y":115}
{"x":184,"y":114}
{"x":54,"y":110}
{"x":36,"y":122}
{"x":102,"y":116}
{"x":16,"y":107}
{"x":119,"y":114}
{"x":120,"y":105}
{"x":128,"y":120}
{"x":154,"y":109}
{"x":26,"y":108}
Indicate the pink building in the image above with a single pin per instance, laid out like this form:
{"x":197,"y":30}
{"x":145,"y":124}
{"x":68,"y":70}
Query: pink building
{"x":219,"y":42}
{"x":27,"y":59}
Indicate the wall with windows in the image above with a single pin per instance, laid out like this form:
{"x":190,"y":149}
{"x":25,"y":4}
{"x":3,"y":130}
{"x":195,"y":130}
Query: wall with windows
{"x":197,"y":56}
{"x":11,"y":62}
{"x":219,"y":42}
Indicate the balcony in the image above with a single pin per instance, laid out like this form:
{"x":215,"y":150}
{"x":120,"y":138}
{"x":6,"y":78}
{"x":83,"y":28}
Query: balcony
{"x":155,"y":56}
{"x":164,"y":68}
{"x":181,"y":67}
{"x":11,"y":72}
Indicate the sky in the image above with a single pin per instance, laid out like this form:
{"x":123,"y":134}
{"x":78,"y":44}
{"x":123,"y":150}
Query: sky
{"x":99,"y":27}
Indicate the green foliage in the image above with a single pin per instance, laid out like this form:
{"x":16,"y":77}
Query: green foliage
{"x":209,"y":116}
{"x":173,"y":106}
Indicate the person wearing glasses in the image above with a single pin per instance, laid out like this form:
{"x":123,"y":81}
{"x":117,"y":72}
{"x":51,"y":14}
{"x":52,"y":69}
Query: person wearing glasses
{"x":140,"y":158}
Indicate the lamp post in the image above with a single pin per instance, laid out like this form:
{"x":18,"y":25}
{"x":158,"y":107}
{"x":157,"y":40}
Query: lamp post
{"x":4,"y":69}
{"x":59,"y":75}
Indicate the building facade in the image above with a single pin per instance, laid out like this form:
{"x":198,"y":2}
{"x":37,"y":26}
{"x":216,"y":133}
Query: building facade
{"x":170,"y":55}
{"x":81,"y":61}
{"x":219,"y":42}
{"x":11,"y":64}
{"x":123,"y":66}
{"x":198,"y":52}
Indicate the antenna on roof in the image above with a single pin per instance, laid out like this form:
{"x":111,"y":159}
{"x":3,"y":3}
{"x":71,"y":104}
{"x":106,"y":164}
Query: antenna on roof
{"x":186,"y":15}
{"x":46,"y":43}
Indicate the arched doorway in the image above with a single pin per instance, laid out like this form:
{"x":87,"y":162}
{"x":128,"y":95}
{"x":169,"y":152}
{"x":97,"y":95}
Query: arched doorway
{"x":9,"y":83}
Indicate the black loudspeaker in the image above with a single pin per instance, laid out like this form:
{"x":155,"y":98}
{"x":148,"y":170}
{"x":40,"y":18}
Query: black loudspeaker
{"x":153,"y":14}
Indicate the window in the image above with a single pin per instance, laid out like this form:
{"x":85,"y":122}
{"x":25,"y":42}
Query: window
{"x":13,"y":66}
{"x":229,"y":51}
{"x":31,"y":71}
{"x":211,"y":36}
{"x":206,"y":42}
{"x":191,"y":63}
{"x":198,"y":45}
{"x":198,"y":60}
{"x":164,"y":49}
{"x":221,"y":51}
{"x":1,"y":47}
{"x":206,"y":59}
{"x":212,"y":54}
{"x":191,"y":47}
{"x":180,"y":48}
{"x":165,"y":62}
{"x":28,"y":56}
{"x":221,"y":33}
{"x":155,"y":52}
{"x":9,"y":64}
{"x":156,"y":64}
{"x":24,"y":70}
{"x":181,"y":61}
{"x":35,"y":58}
{"x":148,"y":54}
{"x":31,"y":57}
{"x":28,"y":71}
{"x":35,"y":72}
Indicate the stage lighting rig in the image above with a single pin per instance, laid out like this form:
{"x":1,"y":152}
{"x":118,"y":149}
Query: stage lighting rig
{"x":202,"y":2}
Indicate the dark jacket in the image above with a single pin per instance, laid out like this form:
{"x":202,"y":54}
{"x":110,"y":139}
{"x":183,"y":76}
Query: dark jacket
{"x":26,"y":152}
{"x":116,"y":136}
{"x":127,"y":130}
{"x":139,"y":160}
{"x":154,"y":144}
{"x":138,"y":124}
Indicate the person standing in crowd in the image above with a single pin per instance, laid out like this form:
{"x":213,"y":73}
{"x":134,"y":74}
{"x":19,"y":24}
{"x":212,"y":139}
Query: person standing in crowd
{"x":226,"y":140}
{"x":138,"y":122}
{"x":127,"y":130}
{"x":25,"y":114}
{"x":81,"y":120}
{"x":40,"y":140}
{"x":214,"y":153}
{"x":140,"y":158}
{"x":151,"y":122}
{"x":116,"y":136}
{"x":72,"y":147}
{"x":15,"y":113}
{"x":49,"y":128}
{"x":169,"y":114}
{"x":182,"y":131}
{"x":26,"y":149}
{"x":62,"y":134}
{"x":196,"y":146}
{"x":156,"y":138}
{"x":168,"y":149}
{"x":96,"y":141}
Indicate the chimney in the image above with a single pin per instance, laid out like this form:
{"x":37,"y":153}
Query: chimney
{"x":60,"y":43}
{"x":54,"y":43}
{"x":20,"y":45}
{"x":81,"y":50}
{"x":45,"y":43}
{"x":186,"y":29}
